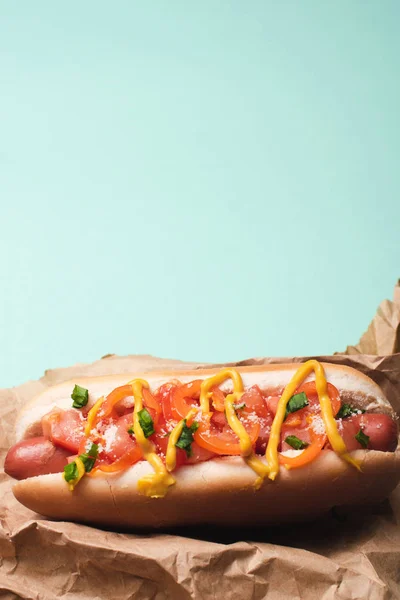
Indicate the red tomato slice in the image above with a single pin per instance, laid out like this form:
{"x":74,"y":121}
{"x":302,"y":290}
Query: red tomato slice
{"x":218,"y":399}
{"x":125,"y":391}
{"x":272,"y":403}
{"x":116,"y":441}
{"x":310,"y":391}
{"x":132,"y":456}
{"x":317,"y":442}
{"x":215,"y":435}
{"x":198,"y":454}
{"x":225,"y":441}
{"x":298,"y":424}
{"x":265,"y":432}
{"x":254,"y":402}
{"x":219,"y":420}
{"x":163,"y":397}
{"x":120,"y":393}
{"x":184,"y":397}
{"x":303,"y":433}
{"x":64,"y":428}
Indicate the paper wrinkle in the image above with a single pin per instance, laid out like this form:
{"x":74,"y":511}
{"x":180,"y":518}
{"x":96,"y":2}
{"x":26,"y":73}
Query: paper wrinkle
{"x":357,"y":556}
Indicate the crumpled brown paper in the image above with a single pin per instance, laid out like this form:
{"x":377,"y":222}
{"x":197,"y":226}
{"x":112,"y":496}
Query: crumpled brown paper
{"x":341,"y":557}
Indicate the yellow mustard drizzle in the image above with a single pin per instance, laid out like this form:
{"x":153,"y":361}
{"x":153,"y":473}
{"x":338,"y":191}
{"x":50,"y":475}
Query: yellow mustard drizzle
{"x":92,"y":415}
{"x":334,"y":437}
{"x":217,"y":379}
{"x":81,"y":472}
{"x":248,"y":453}
{"x":234,"y":423}
{"x":170,"y":458}
{"x":156,"y":484}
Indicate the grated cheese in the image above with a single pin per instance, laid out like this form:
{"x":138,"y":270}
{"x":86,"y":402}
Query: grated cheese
{"x":109,"y":436}
{"x":317,"y":425}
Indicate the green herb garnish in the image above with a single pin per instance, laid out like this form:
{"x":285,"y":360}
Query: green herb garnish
{"x":186,"y":437}
{"x":146,"y":422}
{"x":347,"y":410}
{"x":362,"y":438}
{"x":296,"y":402}
{"x":131,"y":430}
{"x":80,"y":396}
{"x":89,"y":458}
{"x":296,"y":442}
{"x":70,"y":472}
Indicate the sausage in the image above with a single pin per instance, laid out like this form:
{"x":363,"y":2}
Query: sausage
{"x":381,"y":430}
{"x":35,"y":456}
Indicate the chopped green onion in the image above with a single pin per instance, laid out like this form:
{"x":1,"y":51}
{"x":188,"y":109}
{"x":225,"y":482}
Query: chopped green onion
{"x":296,"y":442}
{"x":89,"y":458}
{"x":362,"y":438}
{"x":146,"y":422}
{"x":80,"y":396}
{"x":186,"y":438}
{"x":70,"y":472}
{"x":296,"y":402}
{"x":347,"y":410}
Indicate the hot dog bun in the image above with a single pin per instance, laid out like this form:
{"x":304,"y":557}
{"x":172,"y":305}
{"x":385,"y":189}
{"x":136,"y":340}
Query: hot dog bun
{"x":352,"y":385}
{"x":219,"y":491}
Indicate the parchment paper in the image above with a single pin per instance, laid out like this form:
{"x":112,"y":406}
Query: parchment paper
{"x":342,"y":557}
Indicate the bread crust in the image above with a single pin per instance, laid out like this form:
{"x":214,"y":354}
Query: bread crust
{"x":219,"y":491}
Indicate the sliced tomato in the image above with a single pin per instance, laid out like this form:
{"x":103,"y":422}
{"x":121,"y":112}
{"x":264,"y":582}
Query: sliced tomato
{"x":125,"y":391}
{"x":310,"y":453}
{"x":218,"y":399}
{"x":64,"y":428}
{"x":219,"y":420}
{"x":132,"y":456}
{"x":225,"y":441}
{"x":116,"y":441}
{"x":184,"y":397}
{"x":310,"y":391}
{"x":198,"y":454}
{"x":272,"y":403}
{"x":215,"y":435}
{"x":303,"y":433}
{"x":265,"y":432}
{"x":151,"y":403}
{"x":163,"y":397}
{"x":120,"y":393}
{"x":299,"y":425}
{"x":161,"y":436}
{"x":254,"y":402}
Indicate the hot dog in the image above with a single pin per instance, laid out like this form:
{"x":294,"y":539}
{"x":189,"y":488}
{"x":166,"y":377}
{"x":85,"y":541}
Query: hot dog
{"x":252,"y":445}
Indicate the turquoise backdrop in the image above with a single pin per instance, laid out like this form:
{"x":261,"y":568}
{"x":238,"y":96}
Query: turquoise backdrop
{"x":200,"y":180}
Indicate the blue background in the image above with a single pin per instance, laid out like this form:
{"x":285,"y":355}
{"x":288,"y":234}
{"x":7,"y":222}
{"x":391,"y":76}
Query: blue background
{"x":196,"y":180}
